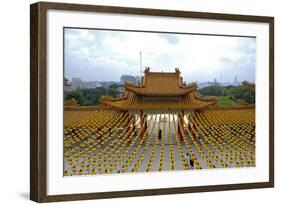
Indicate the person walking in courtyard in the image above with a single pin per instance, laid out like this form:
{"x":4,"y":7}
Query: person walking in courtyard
{"x":191,"y":162}
{"x":188,"y":159}
{"x":160,"y":134}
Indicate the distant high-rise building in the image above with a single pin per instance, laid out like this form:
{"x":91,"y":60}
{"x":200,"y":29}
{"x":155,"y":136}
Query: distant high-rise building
{"x":66,"y":84}
{"x":90,"y":84}
{"x":130,"y":78}
{"x":76,"y":83}
{"x":138,"y":79}
{"x":120,"y":91}
{"x":236,"y":83}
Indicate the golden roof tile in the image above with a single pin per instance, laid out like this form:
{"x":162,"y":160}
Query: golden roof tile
{"x":161,"y":84}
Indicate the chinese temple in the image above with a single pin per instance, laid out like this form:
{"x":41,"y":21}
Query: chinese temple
{"x":160,"y":125}
{"x":160,"y":91}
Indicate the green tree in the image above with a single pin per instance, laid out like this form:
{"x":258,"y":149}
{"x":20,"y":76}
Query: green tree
{"x":86,"y":96}
{"x":232,"y":93}
{"x":112,"y":92}
{"x":211,"y":91}
{"x":239,"y":92}
{"x":225,"y":101}
{"x":114,"y":86}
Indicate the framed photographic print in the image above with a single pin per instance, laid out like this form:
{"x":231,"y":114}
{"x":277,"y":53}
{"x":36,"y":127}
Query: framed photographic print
{"x":134,"y":102}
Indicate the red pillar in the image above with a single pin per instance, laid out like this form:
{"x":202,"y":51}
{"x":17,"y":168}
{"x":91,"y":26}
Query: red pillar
{"x":182,"y":118}
{"x":134,"y":122}
{"x":194,"y":126}
{"x":145,"y":125}
{"x":193,"y":134}
{"x":141,"y":123}
{"x":141,"y":118}
{"x":180,"y":123}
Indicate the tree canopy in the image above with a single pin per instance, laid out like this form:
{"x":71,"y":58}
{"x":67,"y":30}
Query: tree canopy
{"x":88,"y":96}
{"x":233,"y":93}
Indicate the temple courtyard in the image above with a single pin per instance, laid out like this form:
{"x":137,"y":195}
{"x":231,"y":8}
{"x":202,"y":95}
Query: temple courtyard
{"x":163,"y":124}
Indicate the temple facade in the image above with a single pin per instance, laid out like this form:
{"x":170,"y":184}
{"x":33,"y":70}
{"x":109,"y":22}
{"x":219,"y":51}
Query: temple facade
{"x":160,"y":91}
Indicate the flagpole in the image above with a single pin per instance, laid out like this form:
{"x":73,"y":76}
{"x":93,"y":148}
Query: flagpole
{"x":140,"y":67}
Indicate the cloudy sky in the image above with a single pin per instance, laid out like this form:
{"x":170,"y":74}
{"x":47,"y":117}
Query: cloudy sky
{"x":100,"y":55}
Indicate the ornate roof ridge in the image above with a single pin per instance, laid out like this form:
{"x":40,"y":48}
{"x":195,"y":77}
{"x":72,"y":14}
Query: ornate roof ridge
{"x":128,"y":83}
{"x":147,"y":71}
{"x":189,"y":85}
{"x":205,"y":98}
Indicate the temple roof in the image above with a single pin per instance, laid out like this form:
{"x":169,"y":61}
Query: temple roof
{"x":160,"y":91}
{"x":161,"y":84}
{"x":134,"y":102}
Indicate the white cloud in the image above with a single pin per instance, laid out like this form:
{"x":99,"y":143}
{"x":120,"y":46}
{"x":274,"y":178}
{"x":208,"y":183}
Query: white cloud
{"x":199,"y":57}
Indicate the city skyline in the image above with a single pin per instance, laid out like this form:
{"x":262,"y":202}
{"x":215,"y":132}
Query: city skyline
{"x":120,"y":80}
{"x":99,"y":55}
